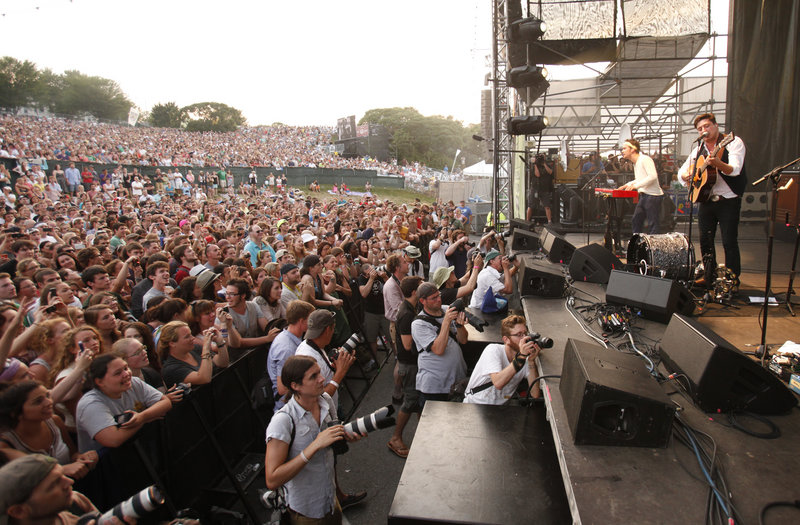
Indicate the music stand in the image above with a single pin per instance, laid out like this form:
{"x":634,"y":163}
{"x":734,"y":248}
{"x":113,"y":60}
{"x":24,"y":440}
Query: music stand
{"x":774,"y":177}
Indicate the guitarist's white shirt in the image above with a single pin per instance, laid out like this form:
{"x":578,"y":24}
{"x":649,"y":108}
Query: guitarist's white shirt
{"x":736,"y":152}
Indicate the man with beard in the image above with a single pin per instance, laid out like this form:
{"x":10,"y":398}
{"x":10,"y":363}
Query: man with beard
{"x":185,"y":255}
{"x":501,"y":368}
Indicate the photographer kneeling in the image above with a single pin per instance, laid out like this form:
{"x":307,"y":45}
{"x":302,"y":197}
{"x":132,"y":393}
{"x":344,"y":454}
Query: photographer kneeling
{"x":298,"y":445}
{"x":501,"y":368}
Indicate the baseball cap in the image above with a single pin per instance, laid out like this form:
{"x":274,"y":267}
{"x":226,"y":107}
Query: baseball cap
{"x":307,"y":237}
{"x":286,"y":268}
{"x":425,"y":290}
{"x":18,"y":478}
{"x":278,"y":224}
{"x":491,"y":255}
{"x":280,"y":253}
{"x":441,"y":275}
{"x":318,"y":321}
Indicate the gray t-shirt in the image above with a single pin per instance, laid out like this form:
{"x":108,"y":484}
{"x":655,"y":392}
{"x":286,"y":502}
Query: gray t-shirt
{"x":152,"y":292}
{"x":96,"y":410}
{"x":311,"y":492}
{"x":437,"y":373}
{"x":247,"y":323}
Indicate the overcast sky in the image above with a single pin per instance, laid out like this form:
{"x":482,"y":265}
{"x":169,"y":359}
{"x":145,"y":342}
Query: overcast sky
{"x":296,"y":62}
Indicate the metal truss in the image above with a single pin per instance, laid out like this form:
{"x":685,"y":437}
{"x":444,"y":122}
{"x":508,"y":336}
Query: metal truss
{"x":501,"y":112}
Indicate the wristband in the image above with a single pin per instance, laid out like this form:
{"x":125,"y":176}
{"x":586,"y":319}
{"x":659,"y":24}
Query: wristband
{"x":303,"y":457}
{"x":209,"y":357}
{"x":518,"y":362}
{"x":334,"y":383}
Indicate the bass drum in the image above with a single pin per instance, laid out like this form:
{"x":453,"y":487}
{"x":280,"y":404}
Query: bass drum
{"x":663,"y":255}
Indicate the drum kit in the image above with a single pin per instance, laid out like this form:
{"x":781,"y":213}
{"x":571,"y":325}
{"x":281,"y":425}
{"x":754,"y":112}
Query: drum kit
{"x":671,"y":256}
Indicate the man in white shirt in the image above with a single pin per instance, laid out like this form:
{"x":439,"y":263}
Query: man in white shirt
{"x":646,"y":183}
{"x":501,"y":368}
{"x":497,"y":274}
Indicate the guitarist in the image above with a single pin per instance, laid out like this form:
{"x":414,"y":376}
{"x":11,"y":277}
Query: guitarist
{"x":646,"y":183}
{"x":725,"y":200}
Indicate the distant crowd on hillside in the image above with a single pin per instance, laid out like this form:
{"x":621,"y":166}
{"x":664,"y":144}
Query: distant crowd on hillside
{"x":57,"y":139}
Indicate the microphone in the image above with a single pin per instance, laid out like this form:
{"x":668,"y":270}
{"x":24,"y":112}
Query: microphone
{"x":702,"y":136}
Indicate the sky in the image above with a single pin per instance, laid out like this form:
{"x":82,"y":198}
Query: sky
{"x":295,"y":62}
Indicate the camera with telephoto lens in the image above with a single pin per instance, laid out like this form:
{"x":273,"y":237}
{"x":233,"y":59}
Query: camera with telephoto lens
{"x":540,"y":340}
{"x":348,"y":346}
{"x":134,"y":507}
{"x":461,"y":306}
{"x":381,"y":269}
{"x":381,"y":418}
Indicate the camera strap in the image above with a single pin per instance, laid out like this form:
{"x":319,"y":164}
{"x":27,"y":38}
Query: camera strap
{"x":430,"y":320}
{"x":480,"y":388}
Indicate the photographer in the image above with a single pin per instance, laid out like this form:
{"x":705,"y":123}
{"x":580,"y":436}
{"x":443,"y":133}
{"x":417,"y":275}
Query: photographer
{"x":438,"y":336}
{"x":451,"y":287}
{"x":299,"y":437}
{"x":375,"y":322}
{"x":501,"y":368}
{"x":497,"y":277}
{"x":543,"y":172}
{"x":457,"y":252}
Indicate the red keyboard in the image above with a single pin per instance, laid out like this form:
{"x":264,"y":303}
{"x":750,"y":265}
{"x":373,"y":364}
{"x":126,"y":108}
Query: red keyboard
{"x":617,"y":194}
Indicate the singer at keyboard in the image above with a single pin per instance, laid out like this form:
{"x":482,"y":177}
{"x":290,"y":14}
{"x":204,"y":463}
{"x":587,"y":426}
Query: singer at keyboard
{"x":646,"y":183}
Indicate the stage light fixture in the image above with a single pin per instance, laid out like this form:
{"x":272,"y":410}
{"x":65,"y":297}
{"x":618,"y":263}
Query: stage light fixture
{"x":526,"y":30}
{"x":527,"y":125}
{"x":532,"y":77}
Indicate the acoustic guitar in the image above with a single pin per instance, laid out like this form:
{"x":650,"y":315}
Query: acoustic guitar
{"x":704,"y":175}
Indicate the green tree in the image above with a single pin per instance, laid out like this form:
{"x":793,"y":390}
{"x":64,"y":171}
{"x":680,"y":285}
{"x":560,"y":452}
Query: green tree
{"x":18,"y":82}
{"x":430,"y":140}
{"x":86,"y":95}
{"x":213,"y":116}
{"x":167,"y":115}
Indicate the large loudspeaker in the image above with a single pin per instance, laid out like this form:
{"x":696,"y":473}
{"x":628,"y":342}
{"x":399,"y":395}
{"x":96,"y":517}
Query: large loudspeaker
{"x":522,"y":224}
{"x":522,"y":240}
{"x":557,"y":248}
{"x":611,"y":399}
{"x":657,"y":298}
{"x":540,"y":279}
{"x":721,"y":377}
{"x":593,"y":263}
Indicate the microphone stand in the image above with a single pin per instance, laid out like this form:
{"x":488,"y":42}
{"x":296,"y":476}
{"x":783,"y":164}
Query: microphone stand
{"x":690,"y":251}
{"x":774,"y":177}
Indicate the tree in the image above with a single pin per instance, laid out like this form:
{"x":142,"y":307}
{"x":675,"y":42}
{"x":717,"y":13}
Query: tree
{"x":167,"y":115}
{"x":18,"y":82}
{"x":84,"y":95}
{"x":430,"y":140}
{"x":213,"y":116}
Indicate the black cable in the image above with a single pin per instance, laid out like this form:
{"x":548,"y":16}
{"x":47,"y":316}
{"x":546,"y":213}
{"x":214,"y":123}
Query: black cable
{"x":795,"y":503}
{"x":774,"y":432}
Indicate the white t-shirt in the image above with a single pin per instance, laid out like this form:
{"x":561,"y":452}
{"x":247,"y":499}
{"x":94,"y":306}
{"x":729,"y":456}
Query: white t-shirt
{"x":438,"y":258}
{"x":489,"y":277}
{"x":492,"y":360}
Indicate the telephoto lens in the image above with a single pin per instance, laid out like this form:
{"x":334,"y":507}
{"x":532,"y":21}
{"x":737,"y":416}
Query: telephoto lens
{"x":134,"y":507}
{"x":381,"y":418}
{"x":353,"y":342}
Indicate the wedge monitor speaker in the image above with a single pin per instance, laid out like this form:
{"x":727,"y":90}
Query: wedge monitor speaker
{"x":557,"y":248}
{"x":656,"y":298}
{"x":540,"y":278}
{"x":721,"y":378}
{"x":611,"y":399}
{"x":593,"y":263}
{"x":524,"y":240}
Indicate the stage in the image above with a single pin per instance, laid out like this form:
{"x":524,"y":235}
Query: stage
{"x":608,"y":484}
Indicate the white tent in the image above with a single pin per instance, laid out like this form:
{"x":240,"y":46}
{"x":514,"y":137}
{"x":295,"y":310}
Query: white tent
{"x":481,"y":169}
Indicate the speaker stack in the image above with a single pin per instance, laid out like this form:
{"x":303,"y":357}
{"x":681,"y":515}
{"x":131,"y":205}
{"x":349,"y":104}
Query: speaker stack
{"x":721,"y":377}
{"x":557,"y":248}
{"x":656,"y":298}
{"x":593,"y":263}
{"x":611,"y":399}
{"x":540,"y":278}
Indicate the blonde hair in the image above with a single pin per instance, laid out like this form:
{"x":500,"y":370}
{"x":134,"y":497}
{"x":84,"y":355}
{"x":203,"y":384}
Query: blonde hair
{"x":169,"y":334}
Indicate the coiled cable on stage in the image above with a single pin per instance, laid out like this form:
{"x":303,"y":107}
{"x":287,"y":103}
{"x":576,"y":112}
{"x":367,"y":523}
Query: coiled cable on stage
{"x":734,"y":417}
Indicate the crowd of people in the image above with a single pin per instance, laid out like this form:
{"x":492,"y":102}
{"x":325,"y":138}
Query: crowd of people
{"x":111,"y":304}
{"x":52,"y":139}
